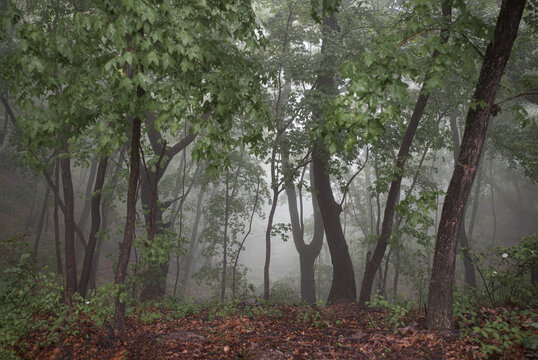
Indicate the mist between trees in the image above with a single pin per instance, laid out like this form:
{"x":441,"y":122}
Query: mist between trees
{"x":295,"y":151}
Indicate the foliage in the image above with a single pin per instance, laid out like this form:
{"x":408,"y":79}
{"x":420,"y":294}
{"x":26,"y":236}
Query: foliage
{"x":284,"y":292}
{"x":496,"y":331}
{"x":241,"y":309}
{"x":185,"y":58}
{"x":395,"y":312}
{"x":506,"y":274}
{"x":310,"y":316}
{"x":29,"y":301}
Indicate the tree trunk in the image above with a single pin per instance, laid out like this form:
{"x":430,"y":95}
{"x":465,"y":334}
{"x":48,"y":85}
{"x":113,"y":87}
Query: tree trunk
{"x":392,"y":198}
{"x":470,"y":277}
{"x":59,"y":266}
{"x":192,"y":243}
{"x":268,"y":244}
{"x":41,"y":221}
{"x":87,"y":197}
{"x":123,"y":261}
{"x":254,"y":207}
{"x":30,"y":220}
{"x":69,"y":224}
{"x":440,"y":298}
{"x":61,"y":205}
{"x":105,"y":209}
{"x":343,"y":280}
{"x":307,"y":252}
{"x":155,"y":273}
{"x":494,"y":215}
{"x":96,"y":223}
{"x":225,"y":238}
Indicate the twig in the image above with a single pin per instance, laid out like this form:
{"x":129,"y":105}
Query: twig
{"x":418,"y":34}
{"x":531,"y":92}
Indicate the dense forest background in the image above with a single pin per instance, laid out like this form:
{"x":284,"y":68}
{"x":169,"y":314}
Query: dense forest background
{"x":270,"y":151}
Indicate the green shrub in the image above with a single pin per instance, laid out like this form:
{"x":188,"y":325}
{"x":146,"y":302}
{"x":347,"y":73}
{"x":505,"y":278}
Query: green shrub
{"x":496,"y":331}
{"x":506,"y":275}
{"x":396,"y":312}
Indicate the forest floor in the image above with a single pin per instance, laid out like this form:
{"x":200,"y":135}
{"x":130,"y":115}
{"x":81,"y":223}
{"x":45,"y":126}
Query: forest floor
{"x":244,"y":331}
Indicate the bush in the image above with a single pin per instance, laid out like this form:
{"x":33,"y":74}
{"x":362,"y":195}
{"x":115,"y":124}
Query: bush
{"x":506,"y":275}
{"x":396,"y":312}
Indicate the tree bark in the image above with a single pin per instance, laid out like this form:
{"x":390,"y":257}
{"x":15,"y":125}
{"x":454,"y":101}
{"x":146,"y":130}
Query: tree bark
{"x":96,"y":223}
{"x":440,"y":297}
{"x":393,"y":195}
{"x":123,"y":261}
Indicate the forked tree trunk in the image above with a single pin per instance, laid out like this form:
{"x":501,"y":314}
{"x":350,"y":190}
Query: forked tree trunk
{"x":440,"y":297}
{"x":308,"y":253}
{"x":95,"y":226}
{"x":343,"y":280}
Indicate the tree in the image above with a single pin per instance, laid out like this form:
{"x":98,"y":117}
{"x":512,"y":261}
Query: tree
{"x":307,"y":252}
{"x":343,"y":284}
{"x":441,"y":284}
{"x":394,"y":192}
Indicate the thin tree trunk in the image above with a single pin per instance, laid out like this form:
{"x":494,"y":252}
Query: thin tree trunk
{"x":59,"y":266}
{"x":255,"y":206}
{"x":96,"y":223}
{"x":192,"y":243}
{"x":87,"y":197}
{"x":476,"y":199}
{"x":56,"y":191}
{"x":393,"y":195}
{"x":123,"y":261}
{"x":470,"y":277}
{"x":69,"y":225}
{"x":268,"y":244}
{"x":440,"y":297}
{"x":105,"y":210}
{"x":494,"y":234}
{"x":30,"y":220}
{"x":396,"y":276}
{"x":41,"y":221}
{"x":225,"y":239}
{"x":183,"y":169}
